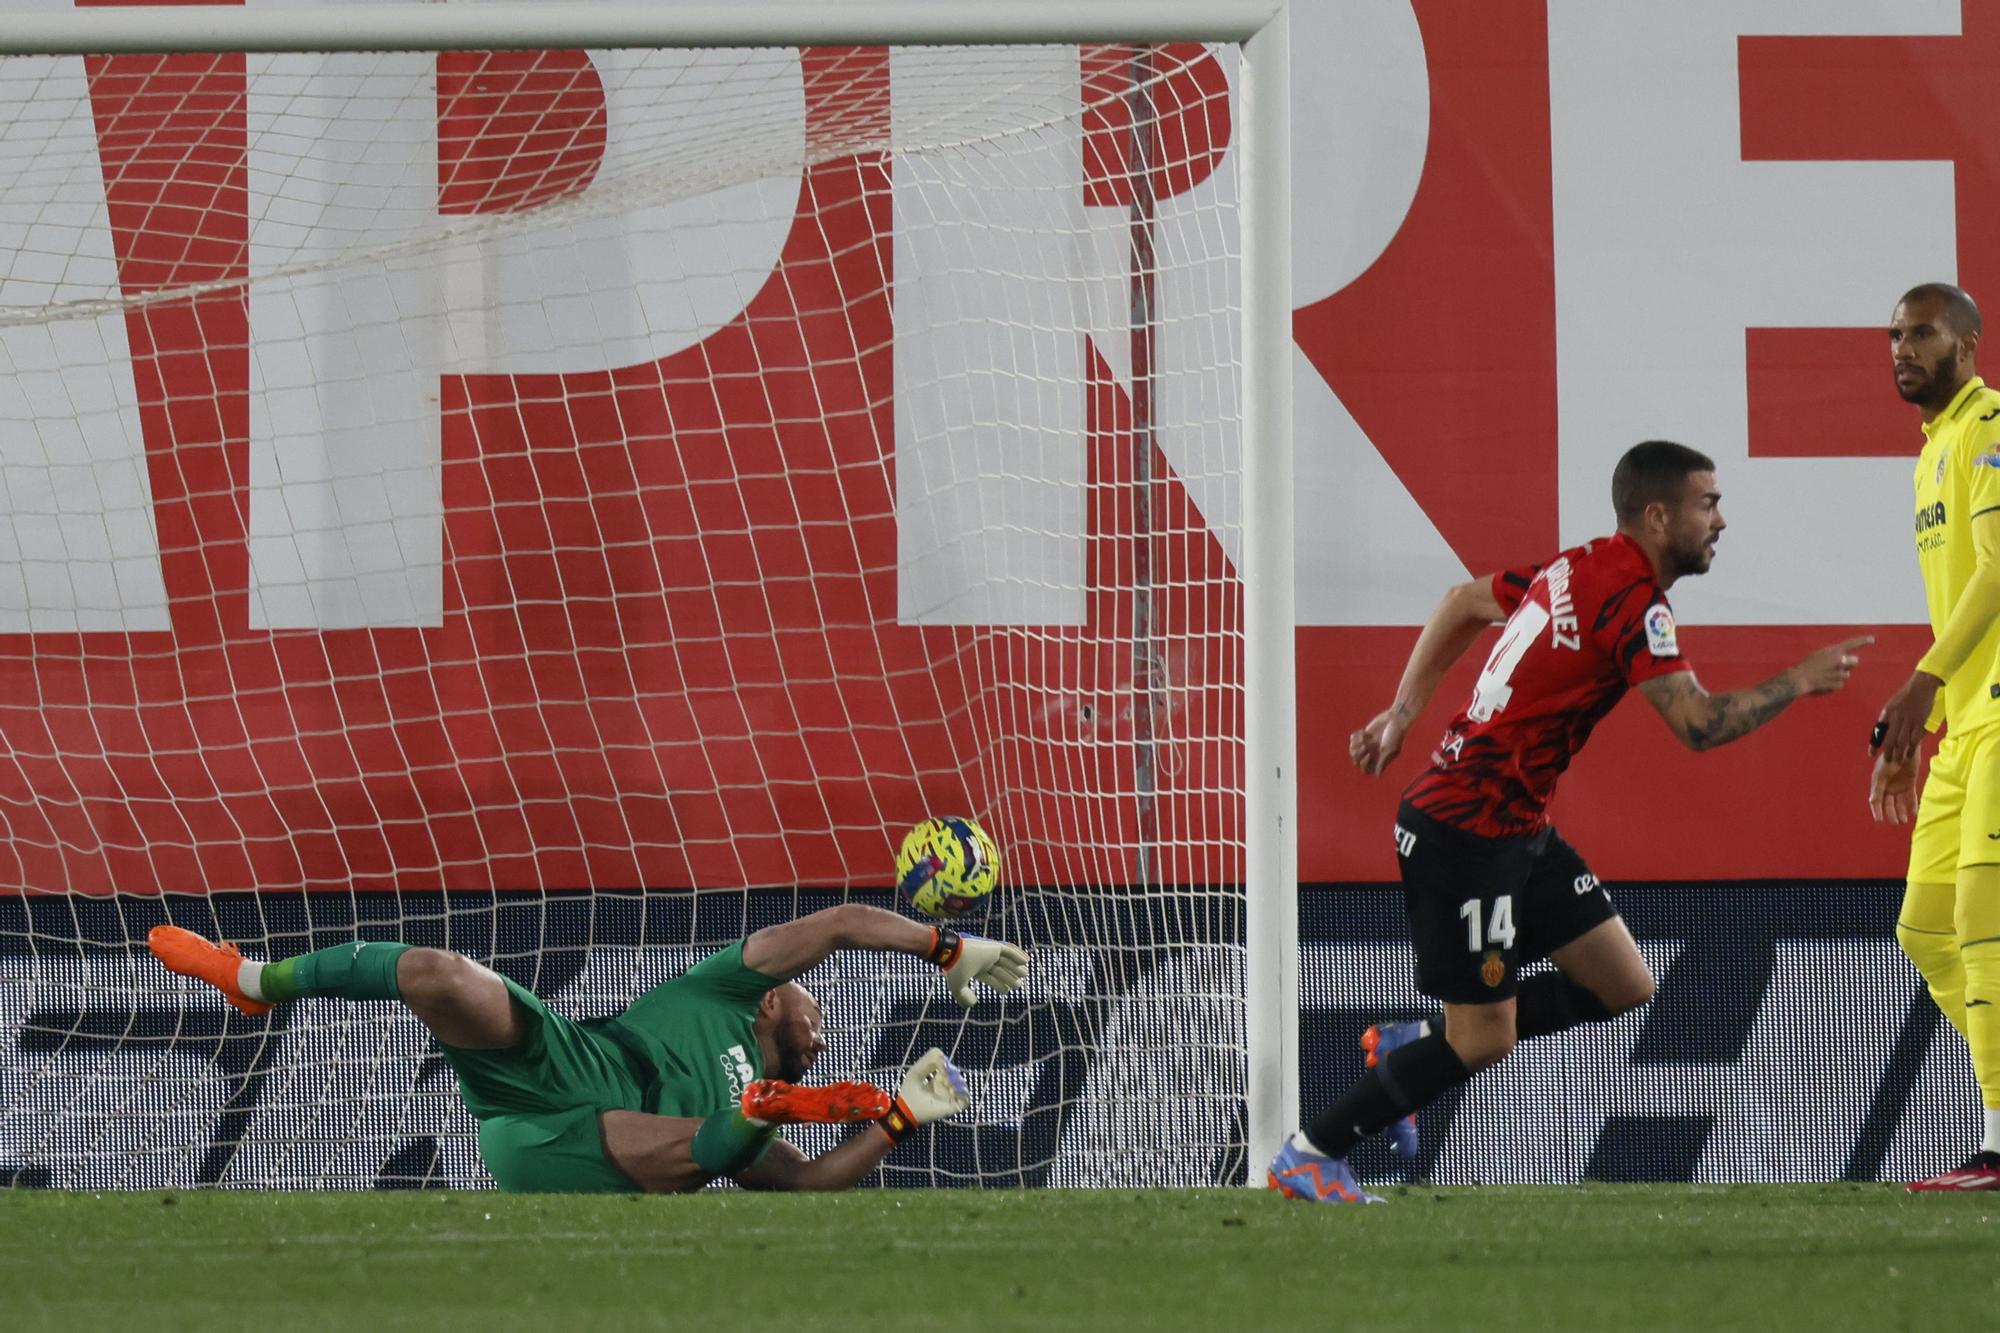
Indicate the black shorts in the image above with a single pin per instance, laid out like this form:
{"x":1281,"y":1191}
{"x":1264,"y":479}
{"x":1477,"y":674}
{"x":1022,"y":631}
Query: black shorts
{"x":1482,"y":908}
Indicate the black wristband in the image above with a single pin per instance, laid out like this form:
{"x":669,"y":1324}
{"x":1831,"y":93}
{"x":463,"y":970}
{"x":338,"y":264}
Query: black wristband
{"x":897,"y":1122}
{"x":946,"y":948}
{"x":1880,"y":734}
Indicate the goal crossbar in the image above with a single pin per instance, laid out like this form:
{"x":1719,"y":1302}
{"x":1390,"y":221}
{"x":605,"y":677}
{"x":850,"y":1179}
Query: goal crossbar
{"x":160,"y":29}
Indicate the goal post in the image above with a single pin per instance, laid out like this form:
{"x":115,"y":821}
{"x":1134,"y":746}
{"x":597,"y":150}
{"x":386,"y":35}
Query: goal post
{"x":571,"y":483}
{"x":1270,"y":619}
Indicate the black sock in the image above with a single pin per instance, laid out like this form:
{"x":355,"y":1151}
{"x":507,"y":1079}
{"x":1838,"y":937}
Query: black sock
{"x":1550,"y":1002}
{"x":1411,"y":1078}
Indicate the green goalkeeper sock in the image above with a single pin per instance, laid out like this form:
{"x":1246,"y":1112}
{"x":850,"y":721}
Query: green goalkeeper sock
{"x":728,"y":1141}
{"x":357,"y":971}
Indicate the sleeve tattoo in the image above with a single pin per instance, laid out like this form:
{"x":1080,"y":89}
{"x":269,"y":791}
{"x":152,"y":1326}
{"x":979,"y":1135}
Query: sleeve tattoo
{"x":1708,"y":720}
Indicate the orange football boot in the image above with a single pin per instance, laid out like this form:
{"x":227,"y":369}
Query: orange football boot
{"x":189,"y":954}
{"x":779,"y":1103}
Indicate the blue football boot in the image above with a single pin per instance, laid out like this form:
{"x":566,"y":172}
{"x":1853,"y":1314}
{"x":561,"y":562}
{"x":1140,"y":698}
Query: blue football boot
{"x":1378,"y":1041}
{"x":1301,"y":1171}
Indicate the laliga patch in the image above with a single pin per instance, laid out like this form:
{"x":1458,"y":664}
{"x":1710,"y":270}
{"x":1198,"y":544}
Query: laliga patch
{"x":1944,"y":456}
{"x":1660,"y":632}
{"x":1984,"y":460}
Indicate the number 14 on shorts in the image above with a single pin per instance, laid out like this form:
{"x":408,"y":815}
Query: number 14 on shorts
{"x":1498,"y":932}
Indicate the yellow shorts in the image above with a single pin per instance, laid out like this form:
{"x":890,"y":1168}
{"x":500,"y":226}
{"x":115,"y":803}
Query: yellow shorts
{"x":1958,"y":819}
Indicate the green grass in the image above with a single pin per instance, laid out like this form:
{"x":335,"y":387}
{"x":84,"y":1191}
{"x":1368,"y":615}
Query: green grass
{"x":1598,"y":1257}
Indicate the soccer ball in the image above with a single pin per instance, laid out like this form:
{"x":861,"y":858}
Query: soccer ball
{"x":946,"y":865}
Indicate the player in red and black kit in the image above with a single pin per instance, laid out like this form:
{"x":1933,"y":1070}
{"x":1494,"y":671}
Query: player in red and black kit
{"x":1489,"y":884}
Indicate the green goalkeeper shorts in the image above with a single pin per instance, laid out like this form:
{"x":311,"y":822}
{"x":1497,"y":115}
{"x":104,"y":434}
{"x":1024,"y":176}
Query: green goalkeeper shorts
{"x":561,"y":1152}
{"x":538,"y":1102}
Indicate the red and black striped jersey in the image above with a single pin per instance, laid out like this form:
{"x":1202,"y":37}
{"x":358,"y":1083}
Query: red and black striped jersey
{"x":1581,"y":630}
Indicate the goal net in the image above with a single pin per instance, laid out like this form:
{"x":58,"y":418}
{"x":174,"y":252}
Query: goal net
{"x":576,"y":507}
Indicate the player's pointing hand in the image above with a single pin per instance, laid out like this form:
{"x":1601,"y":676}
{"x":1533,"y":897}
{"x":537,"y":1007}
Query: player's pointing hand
{"x":1827,"y":670}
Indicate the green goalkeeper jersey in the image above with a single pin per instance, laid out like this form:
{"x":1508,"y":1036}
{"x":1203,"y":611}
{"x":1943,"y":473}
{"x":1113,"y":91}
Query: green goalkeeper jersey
{"x":694,"y":1034}
{"x":687,"y":1047}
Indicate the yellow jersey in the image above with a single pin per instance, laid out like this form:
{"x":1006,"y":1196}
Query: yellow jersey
{"x":1958,"y":478}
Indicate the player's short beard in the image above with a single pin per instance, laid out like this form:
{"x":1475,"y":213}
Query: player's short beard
{"x":1690,"y":559}
{"x":1931,"y":391}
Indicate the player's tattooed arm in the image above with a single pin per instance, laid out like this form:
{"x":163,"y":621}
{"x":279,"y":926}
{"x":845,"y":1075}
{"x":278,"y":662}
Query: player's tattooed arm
{"x":1703,"y":721}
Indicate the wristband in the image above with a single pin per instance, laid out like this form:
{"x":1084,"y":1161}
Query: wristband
{"x":1880,"y":734}
{"x":898,"y":1121}
{"x":945,"y":947}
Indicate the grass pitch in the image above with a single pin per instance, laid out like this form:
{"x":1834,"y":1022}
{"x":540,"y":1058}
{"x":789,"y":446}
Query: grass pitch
{"x":1596,"y":1257}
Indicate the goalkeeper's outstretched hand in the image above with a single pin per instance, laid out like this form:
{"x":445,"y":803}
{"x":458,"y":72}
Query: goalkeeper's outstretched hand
{"x":995,"y":962}
{"x":932,"y":1089}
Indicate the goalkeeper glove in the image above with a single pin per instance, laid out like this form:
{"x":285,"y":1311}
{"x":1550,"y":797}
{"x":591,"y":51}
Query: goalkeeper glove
{"x":968,"y":958}
{"x":932,"y":1089}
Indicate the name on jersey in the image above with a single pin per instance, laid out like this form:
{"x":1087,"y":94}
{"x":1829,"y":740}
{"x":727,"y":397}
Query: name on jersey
{"x":1562,"y":607}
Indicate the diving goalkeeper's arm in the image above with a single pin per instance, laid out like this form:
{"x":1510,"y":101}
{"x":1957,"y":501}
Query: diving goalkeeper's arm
{"x":797,"y":947}
{"x":932,"y":1089}
{"x":659,"y":1153}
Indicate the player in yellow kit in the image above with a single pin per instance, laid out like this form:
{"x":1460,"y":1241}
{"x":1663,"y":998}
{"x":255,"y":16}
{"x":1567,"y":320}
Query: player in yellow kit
{"x":1950,"y":920}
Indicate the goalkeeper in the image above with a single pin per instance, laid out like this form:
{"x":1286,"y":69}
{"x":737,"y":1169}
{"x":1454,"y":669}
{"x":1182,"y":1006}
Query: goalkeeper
{"x":666,"y":1096}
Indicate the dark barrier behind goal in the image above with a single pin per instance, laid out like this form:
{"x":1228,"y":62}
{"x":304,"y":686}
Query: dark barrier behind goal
{"x":1789,"y":1041}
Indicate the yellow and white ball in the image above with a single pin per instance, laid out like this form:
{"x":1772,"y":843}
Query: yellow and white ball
{"x":946,"y":866}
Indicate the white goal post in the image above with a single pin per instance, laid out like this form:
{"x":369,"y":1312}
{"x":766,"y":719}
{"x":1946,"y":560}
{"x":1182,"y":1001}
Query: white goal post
{"x":40,"y":289}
